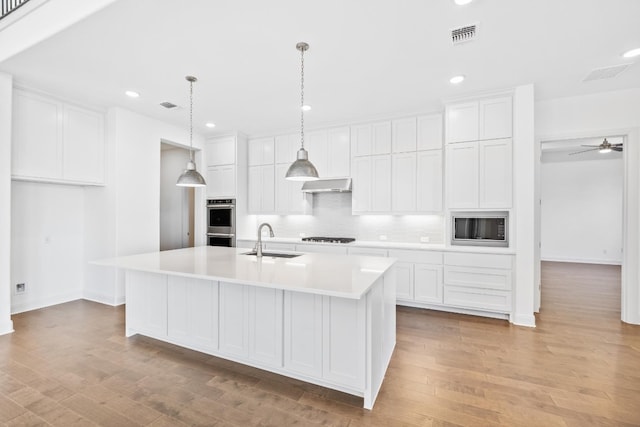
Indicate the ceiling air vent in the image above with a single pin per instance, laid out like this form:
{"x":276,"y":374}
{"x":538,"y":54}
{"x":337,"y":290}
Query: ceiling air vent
{"x":606,"y":73}
{"x":464,"y":34}
{"x":168,"y":105}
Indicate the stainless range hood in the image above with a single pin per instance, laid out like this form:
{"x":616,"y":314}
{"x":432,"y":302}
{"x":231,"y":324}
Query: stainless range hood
{"x":338,"y":185}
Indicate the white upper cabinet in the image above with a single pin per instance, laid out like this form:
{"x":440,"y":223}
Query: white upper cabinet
{"x":261,"y":189}
{"x":462,"y":122}
{"x":338,"y":153}
{"x":371,"y":184}
{"x":429,"y":132}
{"x":221,"y":151}
{"x":289,"y":199}
{"x":495,"y":174}
{"x":221,"y":181}
{"x":361,"y":193}
{"x":404,"y":135}
{"x":404,"y":182}
{"x":371,"y":139}
{"x":489,"y":118}
{"x":429,"y":181}
{"x":261,"y":151}
{"x":287,"y":147}
{"x":495,"y":118}
{"x":56,"y":142}
{"x":316,"y":145}
{"x":462,"y":175}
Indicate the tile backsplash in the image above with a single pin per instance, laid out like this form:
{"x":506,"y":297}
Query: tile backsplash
{"x":332,"y":217}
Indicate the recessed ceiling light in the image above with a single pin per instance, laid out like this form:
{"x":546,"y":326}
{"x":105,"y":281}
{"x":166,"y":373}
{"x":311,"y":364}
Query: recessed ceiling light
{"x":456,"y":79}
{"x":306,"y":107}
{"x":632,"y":53}
{"x":462,"y":2}
{"x":132,"y":94}
{"x":210,"y":125}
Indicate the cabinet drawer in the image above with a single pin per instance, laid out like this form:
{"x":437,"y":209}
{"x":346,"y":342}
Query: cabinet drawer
{"x":485,"y":299}
{"x":479,"y":260}
{"x":481,"y":278}
{"x":425,"y":257}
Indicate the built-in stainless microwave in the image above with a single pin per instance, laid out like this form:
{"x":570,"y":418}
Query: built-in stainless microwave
{"x":480,"y":228}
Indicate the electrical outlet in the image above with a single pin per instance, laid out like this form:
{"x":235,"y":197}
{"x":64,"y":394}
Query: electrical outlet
{"x":21,"y":288}
{"x":424,"y":239}
{"x":383,"y":237}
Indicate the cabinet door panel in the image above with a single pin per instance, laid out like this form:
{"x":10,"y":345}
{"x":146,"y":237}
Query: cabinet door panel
{"x":37,"y":136}
{"x":381,"y":138}
{"x":268,"y":189}
{"x":495,"y":118}
{"x":192,"y":311}
{"x":234,"y":325}
{"x":221,"y":151}
{"x":428,"y":285}
{"x":429,"y":181}
{"x":462,"y":122}
{"x":404,"y":182}
{"x":261,"y":151}
{"x":316,"y":145}
{"x":344,"y":333}
{"x":83,"y":148}
{"x":404,"y":280}
{"x":404,"y":135}
{"x":361,"y":193}
{"x":303,"y":333}
{"x":146,"y":295}
{"x":265,"y":325}
{"x":286,"y":147}
{"x":254,"y":189}
{"x":429,"y":132}
{"x":496,"y":174}
{"x":362,"y":140}
{"x":380,"y":183}
{"x":221,"y":181}
{"x":339,"y":153}
{"x":462,"y":175}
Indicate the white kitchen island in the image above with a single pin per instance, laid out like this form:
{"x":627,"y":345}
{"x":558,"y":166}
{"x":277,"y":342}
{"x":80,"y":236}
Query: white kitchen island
{"x":321,"y":318}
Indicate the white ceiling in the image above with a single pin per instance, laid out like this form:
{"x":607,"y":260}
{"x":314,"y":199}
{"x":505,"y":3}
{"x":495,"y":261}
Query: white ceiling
{"x":579,"y":149}
{"x":368,"y":58}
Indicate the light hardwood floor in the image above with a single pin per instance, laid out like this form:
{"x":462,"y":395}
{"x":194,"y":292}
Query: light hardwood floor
{"x":71,"y":365}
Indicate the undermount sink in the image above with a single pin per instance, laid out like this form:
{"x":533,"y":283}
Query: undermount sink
{"x":273,"y":254}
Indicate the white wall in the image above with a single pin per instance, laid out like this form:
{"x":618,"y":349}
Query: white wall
{"x":607,"y":113}
{"x":127,"y":220}
{"x":47,"y":244}
{"x":174,"y":211}
{"x":582,"y":211}
{"x":6,"y":96}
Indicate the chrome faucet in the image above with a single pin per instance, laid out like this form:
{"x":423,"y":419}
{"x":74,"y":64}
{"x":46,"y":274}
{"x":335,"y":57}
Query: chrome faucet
{"x":259,"y":242}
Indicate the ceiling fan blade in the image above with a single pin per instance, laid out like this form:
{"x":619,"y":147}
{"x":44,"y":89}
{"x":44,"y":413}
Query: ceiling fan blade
{"x":615,"y":148}
{"x":583,"y":151}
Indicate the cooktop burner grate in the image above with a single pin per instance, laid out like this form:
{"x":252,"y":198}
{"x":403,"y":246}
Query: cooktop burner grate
{"x":329,"y":239}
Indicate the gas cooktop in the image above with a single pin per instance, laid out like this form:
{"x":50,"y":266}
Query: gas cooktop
{"x":329,"y":239}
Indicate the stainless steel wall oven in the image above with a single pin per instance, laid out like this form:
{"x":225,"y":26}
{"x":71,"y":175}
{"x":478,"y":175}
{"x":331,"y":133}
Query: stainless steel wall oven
{"x":221,"y":222}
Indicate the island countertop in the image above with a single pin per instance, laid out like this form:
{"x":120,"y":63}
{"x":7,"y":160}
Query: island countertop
{"x":322,"y":274}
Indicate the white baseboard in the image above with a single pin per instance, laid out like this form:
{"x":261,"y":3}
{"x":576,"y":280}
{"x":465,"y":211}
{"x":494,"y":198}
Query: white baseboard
{"x":45,"y":302}
{"x":103,"y":298}
{"x":6,"y":327}
{"x":528,"y":320}
{"x":583,"y":260}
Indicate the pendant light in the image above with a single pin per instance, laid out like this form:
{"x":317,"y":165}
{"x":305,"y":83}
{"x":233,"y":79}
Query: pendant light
{"x":190,"y":177}
{"x":302,"y":169}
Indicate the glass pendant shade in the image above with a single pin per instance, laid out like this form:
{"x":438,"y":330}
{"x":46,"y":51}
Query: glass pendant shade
{"x":191,"y":177}
{"x":302,"y":169}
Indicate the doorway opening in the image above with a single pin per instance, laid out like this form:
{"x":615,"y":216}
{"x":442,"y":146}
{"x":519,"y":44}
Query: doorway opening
{"x":582,"y":211}
{"x":176,"y":203}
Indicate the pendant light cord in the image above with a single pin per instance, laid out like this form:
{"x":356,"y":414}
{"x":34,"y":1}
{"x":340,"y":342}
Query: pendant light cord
{"x":191,"y":120}
{"x":302,"y":97}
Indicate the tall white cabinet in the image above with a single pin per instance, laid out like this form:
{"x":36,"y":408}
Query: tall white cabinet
{"x":479,"y":154}
{"x":55,"y":141}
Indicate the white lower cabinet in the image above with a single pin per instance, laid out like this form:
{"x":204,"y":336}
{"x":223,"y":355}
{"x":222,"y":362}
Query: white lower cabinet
{"x":303,"y":333}
{"x":344,"y":341}
{"x":418,"y":276}
{"x":367,"y":252}
{"x":146,"y":307}
{"x":479,"y":281}
{"x":265,"y":325}
{"x":234,"y":319}
{"x":192,"y":311}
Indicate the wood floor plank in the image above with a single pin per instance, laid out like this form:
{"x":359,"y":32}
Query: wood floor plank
{"x":71,"y":365}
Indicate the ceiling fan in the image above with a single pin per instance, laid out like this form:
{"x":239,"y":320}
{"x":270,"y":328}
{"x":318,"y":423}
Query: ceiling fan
{"x":604,"y":147}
